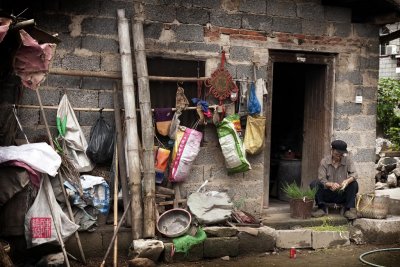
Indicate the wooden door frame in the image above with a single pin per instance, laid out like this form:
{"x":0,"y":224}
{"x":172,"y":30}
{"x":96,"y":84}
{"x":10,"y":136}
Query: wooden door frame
{"x":298,"y":57}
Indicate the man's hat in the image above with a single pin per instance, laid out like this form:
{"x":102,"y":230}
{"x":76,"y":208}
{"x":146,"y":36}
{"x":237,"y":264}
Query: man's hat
{"x":340,"y":146}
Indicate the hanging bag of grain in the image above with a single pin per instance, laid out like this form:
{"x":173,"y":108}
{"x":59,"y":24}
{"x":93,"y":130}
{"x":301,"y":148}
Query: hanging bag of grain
{"x":232,"y":147}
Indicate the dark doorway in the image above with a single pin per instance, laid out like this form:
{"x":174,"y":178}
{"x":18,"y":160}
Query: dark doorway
{"x":299,"y":109}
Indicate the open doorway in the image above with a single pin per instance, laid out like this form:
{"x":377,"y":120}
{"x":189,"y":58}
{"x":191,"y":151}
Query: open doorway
{"x":300,"y":111}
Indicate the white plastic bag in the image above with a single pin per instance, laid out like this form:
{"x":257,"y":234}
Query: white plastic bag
{"x":71,"y":131}
{"x":39,"y":156}
{"x":39,"y":223}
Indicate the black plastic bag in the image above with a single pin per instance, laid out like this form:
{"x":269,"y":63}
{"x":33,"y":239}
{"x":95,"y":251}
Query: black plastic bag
{"x":101,"y":145}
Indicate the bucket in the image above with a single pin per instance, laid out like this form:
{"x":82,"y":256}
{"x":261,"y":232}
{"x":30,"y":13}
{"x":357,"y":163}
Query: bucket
{"x":301,"y":209}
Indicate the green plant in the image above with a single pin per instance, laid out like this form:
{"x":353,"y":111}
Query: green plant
{"x":328,"y":226}
{"x":388,"y":111}
{"x":293,"y":191}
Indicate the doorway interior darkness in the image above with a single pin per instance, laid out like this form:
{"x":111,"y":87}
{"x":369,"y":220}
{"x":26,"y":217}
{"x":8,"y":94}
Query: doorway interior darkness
{"x":300,"y":111}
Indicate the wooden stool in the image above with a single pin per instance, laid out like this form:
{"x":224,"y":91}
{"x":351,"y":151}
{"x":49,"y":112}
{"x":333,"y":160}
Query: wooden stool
{"x":335,"y":206}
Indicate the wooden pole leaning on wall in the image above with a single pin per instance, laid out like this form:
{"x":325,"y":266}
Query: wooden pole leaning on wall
{"x":131,"y":126}
{"x":147,"y":123}
{"x":121,"y":154}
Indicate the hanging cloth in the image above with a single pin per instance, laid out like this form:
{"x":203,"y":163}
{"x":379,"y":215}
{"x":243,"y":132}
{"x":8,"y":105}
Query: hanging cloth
{"x":163,"y":118}
{"x":181,"y":101}
{"x":221,"y":83}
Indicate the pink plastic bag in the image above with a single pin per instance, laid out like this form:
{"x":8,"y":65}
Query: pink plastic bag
{"x":185,"y":152}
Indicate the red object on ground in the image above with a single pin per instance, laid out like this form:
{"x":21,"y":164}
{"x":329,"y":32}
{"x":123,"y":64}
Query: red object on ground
{"x":292,"y":252}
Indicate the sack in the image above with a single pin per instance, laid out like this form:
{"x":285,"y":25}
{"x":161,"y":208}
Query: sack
{"x":253,"y":106}
{"x":371,"y":206}
{"x":186,"y":148}
{"x":101,"y":145}
{"x":39,"y":223}
{"x":232,"y":148}
{"x":255,"y":132}
{"x":71,"y":132}
{"x":161,"y":156}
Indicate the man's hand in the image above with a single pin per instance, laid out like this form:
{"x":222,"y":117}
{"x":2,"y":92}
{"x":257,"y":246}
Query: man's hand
{"x":346,"y":182}
{"x":333,"y":186}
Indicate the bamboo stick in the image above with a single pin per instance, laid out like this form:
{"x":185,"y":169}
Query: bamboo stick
{"x":121,"y":154}
{"x":147,"y":125}
{"x":115,"y":234}
{"x":44,"y":118}
{"x":131,"y":126}
{"x":165,"y":190}
{"x":116,"y":206}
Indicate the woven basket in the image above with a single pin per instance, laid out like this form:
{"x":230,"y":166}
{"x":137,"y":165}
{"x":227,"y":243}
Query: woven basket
{"x":371,"y":206}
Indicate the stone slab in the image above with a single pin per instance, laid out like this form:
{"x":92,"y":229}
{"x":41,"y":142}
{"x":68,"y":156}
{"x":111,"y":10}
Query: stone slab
{"x":221,"y":246}
{"x":394,"y":199}
{"x":264,"y":241}
{"x":377,"y":231}
{"x":300,"y":238}
{"x":330,"y":239}
{"x":220,"y":231}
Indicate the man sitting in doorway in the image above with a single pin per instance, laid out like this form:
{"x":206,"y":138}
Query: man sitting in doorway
{"x":336,"y":181}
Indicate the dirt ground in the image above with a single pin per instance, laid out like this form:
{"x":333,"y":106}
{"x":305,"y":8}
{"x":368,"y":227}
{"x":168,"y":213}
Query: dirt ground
{"x":339,"y":257}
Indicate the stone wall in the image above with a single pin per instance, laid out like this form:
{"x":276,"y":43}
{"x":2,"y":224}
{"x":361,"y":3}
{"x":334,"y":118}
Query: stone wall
{"x":199,"y":29}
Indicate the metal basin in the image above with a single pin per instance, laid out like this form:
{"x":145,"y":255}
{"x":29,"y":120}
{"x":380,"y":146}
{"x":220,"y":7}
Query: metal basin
{"x":174,"y":222}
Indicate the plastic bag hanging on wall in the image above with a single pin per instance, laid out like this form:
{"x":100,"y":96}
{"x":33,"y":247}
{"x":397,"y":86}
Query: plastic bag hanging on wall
{"x":253,"y":105}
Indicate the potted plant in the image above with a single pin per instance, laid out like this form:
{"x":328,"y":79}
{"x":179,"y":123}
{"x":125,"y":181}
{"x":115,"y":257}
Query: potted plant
{"x":301,"y":200}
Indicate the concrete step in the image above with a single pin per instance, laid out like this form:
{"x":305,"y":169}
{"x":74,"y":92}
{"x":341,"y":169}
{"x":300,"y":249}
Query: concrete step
{"x":284,"y":221}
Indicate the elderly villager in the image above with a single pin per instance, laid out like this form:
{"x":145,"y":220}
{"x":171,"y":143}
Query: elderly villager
{"x":336,"y":181}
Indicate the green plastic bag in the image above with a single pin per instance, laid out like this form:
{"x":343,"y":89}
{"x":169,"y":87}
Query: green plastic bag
{"x":232,"y":147}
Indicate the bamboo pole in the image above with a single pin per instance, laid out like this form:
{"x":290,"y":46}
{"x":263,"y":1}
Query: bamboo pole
{"x":131,"y":126}
{"x":147,"y":125}
{"x":44,"y":118}
{"x":121,"y":155}
{"x":116,"y":207}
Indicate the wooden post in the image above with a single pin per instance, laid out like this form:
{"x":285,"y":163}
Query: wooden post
{"x":115,"y":259}
{"x":131,"y":126}
{"x":121,"y":155}
{"x":147,"y":124}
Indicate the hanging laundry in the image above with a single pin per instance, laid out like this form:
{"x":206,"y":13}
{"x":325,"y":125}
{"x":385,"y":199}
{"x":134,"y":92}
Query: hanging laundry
{"x":261,"y":91}
{"x":163,"y":119}
{"x":181,"y":101}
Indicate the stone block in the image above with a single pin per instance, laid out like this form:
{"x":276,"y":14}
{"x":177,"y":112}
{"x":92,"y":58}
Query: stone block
{"x":311,"y":11}
{"x":378,"y":231}
{"x":49,"y":97}
{"x":220,"y":231}
{"x":152,"y":30}
{"x":264,"y":241}
{"x":62,"y":81}
{"x":341,"y":124}
{"x":83,"y":98}
{"x":51,"y":116}
{"x":193,"y":16}
{"x":300,"y":238}
{"x":211,"y":4}
{"x":36,"y":131}
{"x":111,"y":63}
{"x":221,"y":246}
{"x":102,"y":26}
{"x":290,"y":25}
{"x":194,"y":254}
{"x":354,"y":77}
{"x":363,"y":122}
{"x":330,"y":239}
{"x":94,"y":83}
{"x":341,"y":29}
{"x":347,"y":109}
{"x":68,"y":43}
{"x":193,"y":46}
{"x":365,"y":155}
{"x":53,"y":22}
{"x":244,"y":70}
{"x":106,"y":100}
{"x":89,"y":63}
{"x":109,"y":8}
{"x":370,"y":62}
{"x":161,"y":13}
{"x":186,"y":32}
{"x":240,"y":53}
{"x":257,"y":22}
{"x":78,"y":7}
{"x":28,"y":117}
{"x":97,"y":44}
{"x":339,"y":14}
{"x":313,"y":27}
{"x":365,"y":30}
{"x":281,"y":8}
{"x":87,"y":118}
{"x":352,"y":140}
{"x":253,"y":6}
{"x":222,"y":19}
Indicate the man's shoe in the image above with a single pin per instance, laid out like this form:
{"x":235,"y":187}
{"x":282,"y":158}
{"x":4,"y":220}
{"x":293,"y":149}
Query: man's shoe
{"x":318,"y":213}
{"x":350,"y":215}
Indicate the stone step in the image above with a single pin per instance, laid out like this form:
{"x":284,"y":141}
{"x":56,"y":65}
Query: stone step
{"x":376,"y":231}
{"x":284,"y":221}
